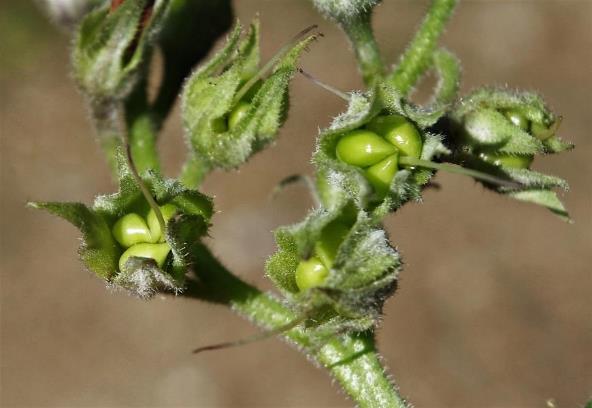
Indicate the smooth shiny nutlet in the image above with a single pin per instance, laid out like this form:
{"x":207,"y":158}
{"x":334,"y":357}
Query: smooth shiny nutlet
{"x":381,"y":174}
{"x":400,"y":132}
{"x":131,"y":229}
{"x":156,"y":252}
{"x":508,"y":160}
{"x":311,"y":273}
{"x":363,"y":148}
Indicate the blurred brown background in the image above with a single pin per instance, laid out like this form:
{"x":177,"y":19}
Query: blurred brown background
{"x":494,"y":305}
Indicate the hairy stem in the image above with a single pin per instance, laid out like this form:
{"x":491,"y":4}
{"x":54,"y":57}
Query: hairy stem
{"x":352,"y":359}
{"x":418,"y":56}
{"x":106,"y":121}
{"x":359,"y":31}
{"x":142,"y":128}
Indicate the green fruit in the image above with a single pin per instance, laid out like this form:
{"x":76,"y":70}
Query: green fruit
{"x":541,"y":131}
{"x":508,"y":160}
{"x":331,"y":238}
{"x":517,"y":118}
{"x":131,"y":229}
{"x":400,"y":132}
{"x":167,"y":210}
{"x":363,"y":148}
{"x":156,"y":252}
{"x":239,"y":112}
{"x":310,"y":273}
{"x":381,"y":174}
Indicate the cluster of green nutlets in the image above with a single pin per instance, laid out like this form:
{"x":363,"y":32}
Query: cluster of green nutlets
{"x":143,"y":237}
{"x":377,"y":148}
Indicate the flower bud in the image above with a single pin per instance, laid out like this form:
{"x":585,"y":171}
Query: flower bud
{"x":111,"y":45}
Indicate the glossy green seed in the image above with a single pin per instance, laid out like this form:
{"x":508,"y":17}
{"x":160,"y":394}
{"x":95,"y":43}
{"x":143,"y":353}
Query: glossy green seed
{"x":517,"y":118}
{"x":381,"y":174}
{"x":363,"y":148}
{"x":239,"y":112}
{"x":157,"y":252}
{"x":219,"y":125}
{"x":508,"y":160}
{"x":310,"y":274}
{"x":167,"y":210}
{"x":400,"y":132}
{"x":331,"y":238}
{"x":540,"y":131}
{"x":131,"y":229}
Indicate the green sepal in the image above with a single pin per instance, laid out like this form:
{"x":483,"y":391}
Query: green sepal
{"x":109,"y":51}
{"x":555,"y":144}
{"x":394,"y":102}
{"x":531,"y":186}
{"x":209,"y":96}
{"x":99,"y":250}
{"x":142,"y":278}
{"x":489,"y":128}
{"x":545,"y":198}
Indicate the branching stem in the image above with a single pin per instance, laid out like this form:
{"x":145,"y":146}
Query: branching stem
{"x":359,"y":31}
{"x":352,"y":359}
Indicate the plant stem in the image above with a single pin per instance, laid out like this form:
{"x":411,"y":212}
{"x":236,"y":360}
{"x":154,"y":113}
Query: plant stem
{"x":105,"y":120}
{"x":193,"y":172}
{"x":142,"y":129}
{"x":359,"y":31}
{"x":352,"y":359}
{"x":418,"y":55}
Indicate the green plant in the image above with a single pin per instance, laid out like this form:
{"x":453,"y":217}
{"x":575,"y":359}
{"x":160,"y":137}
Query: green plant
{"x":336,"y":268}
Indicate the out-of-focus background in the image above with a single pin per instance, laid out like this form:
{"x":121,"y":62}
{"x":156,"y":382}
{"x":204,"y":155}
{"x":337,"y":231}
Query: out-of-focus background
{"x":494,"y":306}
